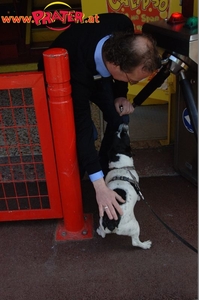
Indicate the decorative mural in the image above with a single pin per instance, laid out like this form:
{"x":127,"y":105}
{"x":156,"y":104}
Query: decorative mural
{"x":140,"y":11}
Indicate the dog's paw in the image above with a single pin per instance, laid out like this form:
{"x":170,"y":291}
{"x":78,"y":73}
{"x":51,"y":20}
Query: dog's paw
{"x":101,"y":232}
{"x":146,"y":244}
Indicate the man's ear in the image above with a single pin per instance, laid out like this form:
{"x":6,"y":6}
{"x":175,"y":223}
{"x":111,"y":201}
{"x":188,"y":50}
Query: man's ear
{"x":117,"y":68}
{"x":145,"y":71}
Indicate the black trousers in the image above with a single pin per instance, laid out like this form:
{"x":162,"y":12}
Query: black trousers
{"x":104,"y":98}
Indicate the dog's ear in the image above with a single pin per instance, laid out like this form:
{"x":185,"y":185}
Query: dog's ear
{"x":113,"y":151}
{"x":120,"y":146}
{"x":125,"y":144}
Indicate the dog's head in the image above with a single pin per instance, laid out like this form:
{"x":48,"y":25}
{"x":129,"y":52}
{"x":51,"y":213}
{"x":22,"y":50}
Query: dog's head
{"x":121,"y":145}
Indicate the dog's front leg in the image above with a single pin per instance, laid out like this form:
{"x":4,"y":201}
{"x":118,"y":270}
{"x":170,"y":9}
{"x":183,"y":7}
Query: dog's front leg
{"x":100,"y":229}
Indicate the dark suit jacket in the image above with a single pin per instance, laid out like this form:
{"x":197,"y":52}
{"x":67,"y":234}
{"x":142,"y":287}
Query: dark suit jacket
{"x":80,"y":41}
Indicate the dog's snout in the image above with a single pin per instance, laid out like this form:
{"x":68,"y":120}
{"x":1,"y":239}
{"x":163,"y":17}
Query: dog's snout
{"x":123,"y":128}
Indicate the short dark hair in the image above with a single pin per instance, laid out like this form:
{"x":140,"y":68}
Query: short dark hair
{"x":123,"y":49}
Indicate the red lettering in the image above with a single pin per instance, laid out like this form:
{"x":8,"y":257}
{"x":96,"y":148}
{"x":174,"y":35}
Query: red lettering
{"x":71,"y":17}
{"x":56,"y":16}
{"x":79,"y":17}
{"x":47,"y":19}
{"x":38,"y":16}
{"x":64,"y":14}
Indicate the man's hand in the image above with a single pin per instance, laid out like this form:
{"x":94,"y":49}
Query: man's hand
{"x":127,"y":107}
{"x":106,"y":200}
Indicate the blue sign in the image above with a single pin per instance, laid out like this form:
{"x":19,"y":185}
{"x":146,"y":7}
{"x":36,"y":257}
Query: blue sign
{"x":187,"y":121}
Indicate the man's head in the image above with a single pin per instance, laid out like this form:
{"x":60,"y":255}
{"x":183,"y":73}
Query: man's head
{"x":131,"y":57}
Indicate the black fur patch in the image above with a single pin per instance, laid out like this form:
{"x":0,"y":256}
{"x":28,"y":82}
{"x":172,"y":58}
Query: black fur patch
{"x":112,"y":224}
{"x":120,"y":146}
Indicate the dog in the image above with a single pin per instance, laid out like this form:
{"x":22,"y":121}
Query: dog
{"x":123,"y":179}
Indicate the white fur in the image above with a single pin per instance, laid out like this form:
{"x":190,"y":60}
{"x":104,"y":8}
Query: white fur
{"x":128,"y":224}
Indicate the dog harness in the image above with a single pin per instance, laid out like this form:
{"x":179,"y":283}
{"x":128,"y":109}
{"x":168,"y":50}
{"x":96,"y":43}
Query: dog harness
{"x":132,"y":181}
{"x":135,"y":184}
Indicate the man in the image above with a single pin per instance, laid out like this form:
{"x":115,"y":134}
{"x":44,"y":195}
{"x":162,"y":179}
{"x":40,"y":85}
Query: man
{"x":112,"y":50}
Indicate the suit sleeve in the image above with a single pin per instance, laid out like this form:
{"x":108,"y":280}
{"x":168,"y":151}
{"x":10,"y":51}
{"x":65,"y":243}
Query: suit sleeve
{"x":120,"y":89}
{"x":86,"y":150}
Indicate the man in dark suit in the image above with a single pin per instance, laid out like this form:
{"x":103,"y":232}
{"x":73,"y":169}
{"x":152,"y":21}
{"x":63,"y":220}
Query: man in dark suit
{"x":110,"y":50}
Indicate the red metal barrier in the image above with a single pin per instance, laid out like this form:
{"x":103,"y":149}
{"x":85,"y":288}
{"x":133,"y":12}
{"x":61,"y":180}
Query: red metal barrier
{"x":29,"y":186}
{"x":57,"y":72}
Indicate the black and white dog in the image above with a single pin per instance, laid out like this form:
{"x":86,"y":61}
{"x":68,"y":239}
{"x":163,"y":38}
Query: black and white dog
{"x":123,"y":179}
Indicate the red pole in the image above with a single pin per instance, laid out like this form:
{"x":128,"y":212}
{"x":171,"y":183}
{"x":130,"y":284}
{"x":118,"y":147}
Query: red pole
{"x":57,"y":72}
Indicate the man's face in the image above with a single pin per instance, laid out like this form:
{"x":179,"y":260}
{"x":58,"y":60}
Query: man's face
{"x":134,"y":77}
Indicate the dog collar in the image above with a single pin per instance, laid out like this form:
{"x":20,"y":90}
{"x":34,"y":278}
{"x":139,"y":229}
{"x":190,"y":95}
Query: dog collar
{"x":125,"y":168}
{"x":132,"y":181}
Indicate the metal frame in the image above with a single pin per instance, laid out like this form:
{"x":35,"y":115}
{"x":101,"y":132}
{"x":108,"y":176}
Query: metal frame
{"x":35,"y":81}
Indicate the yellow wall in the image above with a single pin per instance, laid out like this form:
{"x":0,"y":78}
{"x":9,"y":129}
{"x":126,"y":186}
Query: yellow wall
{"x":91,"y":7}
{"x":195,"y":8}
{"x":174,"y":6}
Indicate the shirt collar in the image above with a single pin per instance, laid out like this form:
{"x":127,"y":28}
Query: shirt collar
{"x":100,"y":66}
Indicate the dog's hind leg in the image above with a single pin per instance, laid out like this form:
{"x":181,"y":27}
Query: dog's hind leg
{"x":137,"y":243}
{"x":136,"y":240}
{"x":135,"y":233}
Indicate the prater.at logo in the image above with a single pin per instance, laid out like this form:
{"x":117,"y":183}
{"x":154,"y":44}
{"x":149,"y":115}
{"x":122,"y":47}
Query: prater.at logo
{"x":55,"y":16}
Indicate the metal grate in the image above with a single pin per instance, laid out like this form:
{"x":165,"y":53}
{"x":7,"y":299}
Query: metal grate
{"x":23,"y":182}
{"x":24,"y":124}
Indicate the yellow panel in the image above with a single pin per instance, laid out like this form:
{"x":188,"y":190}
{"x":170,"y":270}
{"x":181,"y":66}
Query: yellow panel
{"x":174,"y":7}
{"x":28,"y":25}
{"x":158,"y":94}
{"x":91,"y":7}
{"x":18,"y":68}
{"x":195,"y":8}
